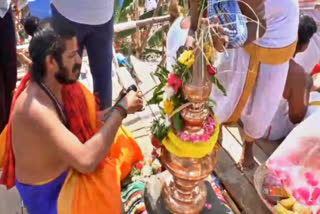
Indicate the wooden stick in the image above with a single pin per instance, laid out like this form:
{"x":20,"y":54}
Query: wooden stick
{"x":144,"y":42}
{"x":137,"y":27}
{"x":133,"y":24}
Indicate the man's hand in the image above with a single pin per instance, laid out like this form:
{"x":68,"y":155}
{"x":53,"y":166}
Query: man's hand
{"x":133,"y":102}
{"x":219,"y":37}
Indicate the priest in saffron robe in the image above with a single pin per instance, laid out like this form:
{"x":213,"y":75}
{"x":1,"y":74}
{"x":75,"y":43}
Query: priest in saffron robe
{"x":55,"y":149}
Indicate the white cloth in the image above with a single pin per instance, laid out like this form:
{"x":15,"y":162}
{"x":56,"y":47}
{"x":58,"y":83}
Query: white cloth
{"x":176,"y":38}
{"x":95,"y":12}
{"x":4,"y":7}
{"x":310,"y":57}
{"x":265,"y":99}
{"x":150,"y":5}
{"x":281,"y":125}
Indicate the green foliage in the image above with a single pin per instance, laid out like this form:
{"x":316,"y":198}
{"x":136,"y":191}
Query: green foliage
{"x":217,"y":82}
{"x":178,"y":122}
{"x":159,"y":129}
{"x":183,"y":72}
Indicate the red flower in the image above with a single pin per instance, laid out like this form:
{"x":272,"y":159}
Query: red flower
{"x":155,"y":142}
{"x":211,"y":70}
{"x":139,"y":165}
{"x":175,"y":82}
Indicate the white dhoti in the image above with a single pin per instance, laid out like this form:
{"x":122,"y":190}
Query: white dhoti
{"x":256,"y":76}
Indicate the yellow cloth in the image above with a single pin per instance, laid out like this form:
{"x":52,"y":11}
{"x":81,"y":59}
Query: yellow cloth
{"x":185,"y":149}
{"x":314,"y":103}
{"x":258,"y":55}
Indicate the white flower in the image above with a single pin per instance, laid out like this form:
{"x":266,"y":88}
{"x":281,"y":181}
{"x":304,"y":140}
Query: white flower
{"x":146,"y":170}
{"x":168,"y":92}
{"x":156,"y":164}
{"x":167,"y":122}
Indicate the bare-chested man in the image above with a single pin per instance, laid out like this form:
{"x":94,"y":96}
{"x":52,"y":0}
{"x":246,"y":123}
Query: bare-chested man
{"x":55,"y":137}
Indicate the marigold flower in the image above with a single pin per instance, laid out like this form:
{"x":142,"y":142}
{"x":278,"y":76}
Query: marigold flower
{"x":168,"y":106}
{"x":208,"y":51}
{"x":187,"y":58}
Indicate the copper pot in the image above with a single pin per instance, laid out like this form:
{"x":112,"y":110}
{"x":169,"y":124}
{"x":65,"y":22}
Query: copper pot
{"x":186,"y":193}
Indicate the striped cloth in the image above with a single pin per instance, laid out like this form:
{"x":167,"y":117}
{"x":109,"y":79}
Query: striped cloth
{"x":132,"y":198}
{"x":230,"y":16}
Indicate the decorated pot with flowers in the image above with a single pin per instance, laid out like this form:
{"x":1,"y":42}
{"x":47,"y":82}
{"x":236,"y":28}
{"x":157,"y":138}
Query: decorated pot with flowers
{"x":187,"y":128}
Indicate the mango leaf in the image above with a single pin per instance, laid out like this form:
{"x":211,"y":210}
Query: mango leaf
{"x":159,"y":88}
{"x":178,"y":122}
{"x":156,"y":99}
{"x":164,"y":70}
{"x":219,"y":85}
{"x":161,"y":77}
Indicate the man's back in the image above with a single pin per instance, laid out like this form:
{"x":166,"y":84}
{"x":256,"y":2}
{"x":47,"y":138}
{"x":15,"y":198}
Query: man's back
{"x":36,"y":159}
{"x":297,"y":90}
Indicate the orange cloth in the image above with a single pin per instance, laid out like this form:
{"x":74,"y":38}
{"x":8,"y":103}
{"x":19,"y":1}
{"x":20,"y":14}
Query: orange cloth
{"x":100,"y":192}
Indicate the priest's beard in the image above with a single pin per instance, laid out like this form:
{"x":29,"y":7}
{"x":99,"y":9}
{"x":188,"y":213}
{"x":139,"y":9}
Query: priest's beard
{"x":62,"y":75}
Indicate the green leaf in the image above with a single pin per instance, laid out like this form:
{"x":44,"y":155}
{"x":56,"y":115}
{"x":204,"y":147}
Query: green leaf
{"x":156,"y":98}
{"x":178,"y":122}
{"x":219,"y":85}
{"x":211,"y":101}
{"x":162,"y":78}
{"x":159,"y":88}
{"x":164,"y":70}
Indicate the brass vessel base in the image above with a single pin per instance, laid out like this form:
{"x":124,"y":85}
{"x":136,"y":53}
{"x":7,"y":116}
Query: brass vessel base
{"x":184,"y":202}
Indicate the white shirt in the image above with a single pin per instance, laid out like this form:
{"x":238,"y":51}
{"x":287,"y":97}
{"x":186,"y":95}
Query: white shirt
{"x":4,"y":7}
{"x":150,"y":5}
{"x":88,"y":12}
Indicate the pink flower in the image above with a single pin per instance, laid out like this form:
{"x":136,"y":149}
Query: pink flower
{"x":208,"y":206}
{"x":193,"y":138}
{"x":211,"y":70}
{"x":175,"y":82}
{"x":315,"y":194}
{"x":205,"y":137}
{"x":302,"y":194}
{"x":184,"y":137}
{"x":311,"y":179}
{"x":209,"y":129}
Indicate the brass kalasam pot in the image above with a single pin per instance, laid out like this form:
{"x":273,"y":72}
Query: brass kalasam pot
{"x":186,"y":192}
{"x":195,"y":114}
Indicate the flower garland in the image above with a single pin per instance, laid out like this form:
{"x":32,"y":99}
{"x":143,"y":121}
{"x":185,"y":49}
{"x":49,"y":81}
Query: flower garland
{"x":209,"y":128}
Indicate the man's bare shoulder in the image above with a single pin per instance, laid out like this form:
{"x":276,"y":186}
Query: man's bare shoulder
{"x":297,"y":76}
{"x":296,"y":71}
{"x":33,"y":106}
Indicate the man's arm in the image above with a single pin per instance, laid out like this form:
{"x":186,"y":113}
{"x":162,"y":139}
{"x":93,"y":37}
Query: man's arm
{"x":83,"y":157}
{"x":254,"y":9}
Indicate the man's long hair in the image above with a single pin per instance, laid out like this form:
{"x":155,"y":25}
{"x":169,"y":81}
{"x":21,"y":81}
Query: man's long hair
{"x":48,"y":38}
